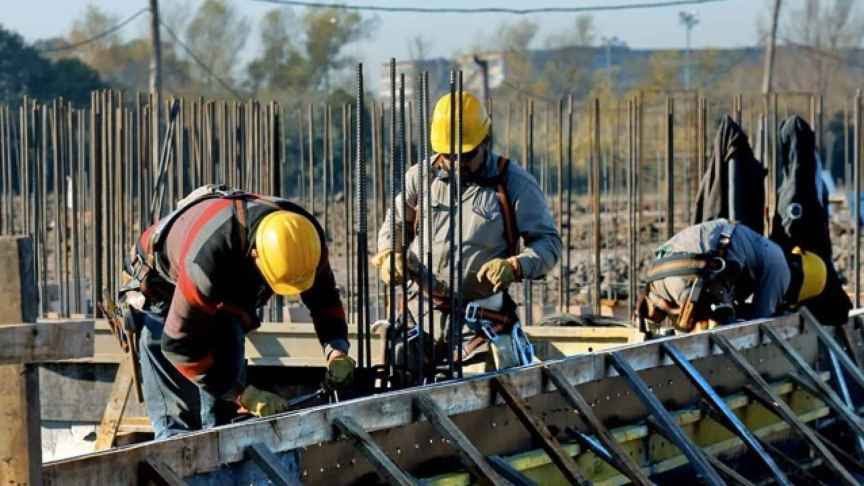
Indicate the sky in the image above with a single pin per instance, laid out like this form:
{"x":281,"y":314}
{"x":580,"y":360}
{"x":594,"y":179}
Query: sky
{"x":729,"y":23}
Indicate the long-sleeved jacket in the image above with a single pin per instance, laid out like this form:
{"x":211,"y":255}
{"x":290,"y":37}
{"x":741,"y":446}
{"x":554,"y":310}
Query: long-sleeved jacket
{"x":482,"y":225}
{"x":760,"y":259}
{"x":218,"y":282}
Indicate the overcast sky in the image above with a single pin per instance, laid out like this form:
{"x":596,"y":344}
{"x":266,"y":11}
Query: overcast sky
{"x":729,"y":23}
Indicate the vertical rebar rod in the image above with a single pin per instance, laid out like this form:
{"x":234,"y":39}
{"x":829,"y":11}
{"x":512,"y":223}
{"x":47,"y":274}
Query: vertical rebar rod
{"x":427,"y":168}
{"x":569,"y":202}
{"x":595,"y":206}
{"x":670,"y":167}
{"x":460,"y":270}
{"x":451,"y":235}
{"x":362,"y":300}
{"x":403,"y":248}
{"x":328,"y":159}
{"x":419,"y":215}
{"x":310,"y":122}
{"x":856,"y":204}
{"x":395,"y":245}
{"x":559,"y":129}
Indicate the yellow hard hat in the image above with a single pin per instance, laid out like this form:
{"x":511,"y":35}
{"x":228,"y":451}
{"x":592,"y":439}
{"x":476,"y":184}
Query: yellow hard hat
{"x":815,"y":274}
{"x":289,"y":249}
{"x":475,"y":127}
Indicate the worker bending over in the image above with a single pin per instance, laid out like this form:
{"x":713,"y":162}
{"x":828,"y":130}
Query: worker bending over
{"x":718,"y":272}
{"x":501,"y":202}
{"x":205,"y":270}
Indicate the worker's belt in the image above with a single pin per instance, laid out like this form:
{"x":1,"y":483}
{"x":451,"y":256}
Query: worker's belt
{"x":486,"y":323}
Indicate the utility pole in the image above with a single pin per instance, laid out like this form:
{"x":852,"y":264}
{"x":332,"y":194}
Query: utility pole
{"x":611,"y":43}
{"x":155,"y":81}
{"x":769,"y":50}
{"x":688,"y":20}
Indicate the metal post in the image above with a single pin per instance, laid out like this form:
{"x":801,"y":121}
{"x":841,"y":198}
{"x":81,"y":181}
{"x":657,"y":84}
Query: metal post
{"x":670,"y":167}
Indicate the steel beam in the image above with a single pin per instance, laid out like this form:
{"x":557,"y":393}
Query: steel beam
{"x":776,"y":404}
{"x":825,"y":393}
{"x":363,"y":442}
{"x":539,"y":431}
{"x":154,"y":471}
{"x":509,"y":472}
{"x":620,"y":459}
{"x":729,"y":419}
{"x":694,"y":454}
{"x":470,"y":456}
{"x":826,"y":339}
{"x":264,"y":458}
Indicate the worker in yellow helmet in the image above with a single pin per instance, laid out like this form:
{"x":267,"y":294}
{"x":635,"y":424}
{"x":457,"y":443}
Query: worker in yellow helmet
{"x":501,"y":204}
{"x":205,"y":270}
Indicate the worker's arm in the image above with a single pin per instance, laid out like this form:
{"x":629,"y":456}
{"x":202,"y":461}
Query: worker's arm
{"x":328,"y":314}
{"x":542,"y":243}
{"x":411,"y":200}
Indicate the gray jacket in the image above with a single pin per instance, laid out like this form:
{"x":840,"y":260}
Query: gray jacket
{"x":759,"y":257}
{"x":482,"y":225}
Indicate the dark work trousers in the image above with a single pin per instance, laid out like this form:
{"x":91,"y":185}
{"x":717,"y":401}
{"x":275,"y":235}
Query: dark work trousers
{"x":175,"y":404}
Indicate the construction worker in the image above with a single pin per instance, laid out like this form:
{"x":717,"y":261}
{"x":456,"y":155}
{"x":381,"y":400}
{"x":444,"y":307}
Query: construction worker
{"x":501,"y":202}
{"x":204,"y":271}
{"x":715,"y":272}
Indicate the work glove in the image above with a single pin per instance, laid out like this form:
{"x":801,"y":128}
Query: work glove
{"x":261,"y":403}
{"x":340,"y":370}
{"x":385,"y":272}
{"x":499,"y":272}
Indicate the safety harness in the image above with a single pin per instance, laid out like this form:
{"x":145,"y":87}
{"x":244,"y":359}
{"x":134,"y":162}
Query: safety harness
{"x":148,"y":267}
{"x":711,"y":294}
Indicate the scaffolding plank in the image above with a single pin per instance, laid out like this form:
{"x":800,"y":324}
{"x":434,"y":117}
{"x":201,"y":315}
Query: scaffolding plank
{"x":539,"y":431}
{"x":729,"y":419}
{"x":694,"y":454}
{"x":470,"y":456}
{"x":825,"y":393}
{"x":620,"y":459}
{"x":264,"y":458}
{"x":363,"y":442}
{"x":779,"y":407}
{"x":154,"y":471}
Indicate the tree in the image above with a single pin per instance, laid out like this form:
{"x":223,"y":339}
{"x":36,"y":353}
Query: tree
{"x":216,"y":34}
{"x":25,"y":71}
{"x":296,"y":68}
{"x":516,"y":37}
{"x":583,"y":33}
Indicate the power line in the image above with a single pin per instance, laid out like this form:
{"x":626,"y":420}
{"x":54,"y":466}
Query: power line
{"x":485,"y":10}
{"x":199,"y":62}
{"x":98,"y":36}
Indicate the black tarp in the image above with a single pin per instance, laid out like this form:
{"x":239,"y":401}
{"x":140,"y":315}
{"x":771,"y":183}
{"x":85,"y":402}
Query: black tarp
{"x":801,"y":217}
{"x":733,"y":156}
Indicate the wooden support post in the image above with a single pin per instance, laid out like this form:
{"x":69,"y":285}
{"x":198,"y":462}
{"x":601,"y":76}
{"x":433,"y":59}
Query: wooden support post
{"x":21,"y":447}
{"x":113,"y":415}
{"x":24,"y":342}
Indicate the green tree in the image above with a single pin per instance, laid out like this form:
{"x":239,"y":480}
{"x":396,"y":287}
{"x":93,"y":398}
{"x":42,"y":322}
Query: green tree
{"x":25,"y":71}
{"x":326,"y":33}
{"x":217,"y":34}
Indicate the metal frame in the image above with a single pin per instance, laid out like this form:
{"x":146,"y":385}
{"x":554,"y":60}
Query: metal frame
{"x":698,"y":460}
{"x":264,"y":458}
{"x":539,"y":431}
{"x":761,"y":391}
{"x":363,"y":442}
{"x":729,"y":419}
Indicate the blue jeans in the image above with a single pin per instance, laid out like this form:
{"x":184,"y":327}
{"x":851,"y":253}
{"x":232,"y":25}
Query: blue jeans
{"x":174,"y":404}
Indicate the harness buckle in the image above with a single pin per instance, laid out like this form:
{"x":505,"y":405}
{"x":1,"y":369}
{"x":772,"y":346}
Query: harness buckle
{"x":471,"y":312}
{"x":489,"y":332}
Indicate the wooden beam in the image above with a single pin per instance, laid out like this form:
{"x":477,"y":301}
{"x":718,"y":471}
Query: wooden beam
{"x":114,"y":410}
{"x":212,"y":449}
{"x":262,"y":456}
{"x":19,"y":298}
{"x":35,"y":342}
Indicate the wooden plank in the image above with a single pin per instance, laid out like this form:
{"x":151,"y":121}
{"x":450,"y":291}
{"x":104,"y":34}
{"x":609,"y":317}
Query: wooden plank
{"x":211,"y":449}
{"x":34,"y":342}
{"x":19,"y":297}
{"x":622,"y":461}
{"x":264,"y":458}
{"x":153,"y":471}
{"x":116,"y":407}
{"x":20,"y":435}
{"x":539,"y":431}
{"x":471,"y":458}
{"x":363,"y":442}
